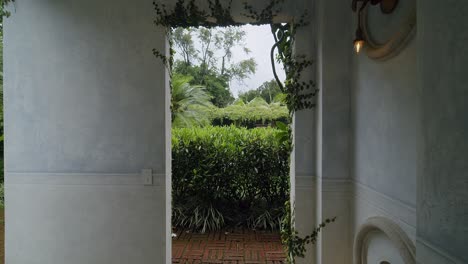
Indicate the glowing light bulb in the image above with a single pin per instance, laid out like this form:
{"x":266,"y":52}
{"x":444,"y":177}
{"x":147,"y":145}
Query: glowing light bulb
{"x":358,"y":45}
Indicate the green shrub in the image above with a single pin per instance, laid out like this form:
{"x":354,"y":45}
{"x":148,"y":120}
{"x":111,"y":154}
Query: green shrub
{"x":257,"y":112}
{"x":253,"y":114}
{"x":229,"y":176}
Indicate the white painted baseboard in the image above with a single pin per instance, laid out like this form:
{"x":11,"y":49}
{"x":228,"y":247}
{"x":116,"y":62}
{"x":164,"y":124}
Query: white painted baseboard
{"x":46,"y":178}
{"x":83,"y":218}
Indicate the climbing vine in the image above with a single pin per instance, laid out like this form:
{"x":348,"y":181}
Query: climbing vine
{"x":295,"y":245}
{"x":300,"y":93}
{"x":3,"y":11}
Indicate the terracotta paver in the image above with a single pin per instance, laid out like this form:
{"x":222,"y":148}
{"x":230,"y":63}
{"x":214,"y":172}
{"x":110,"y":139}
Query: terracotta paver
{"x":223,"y":247}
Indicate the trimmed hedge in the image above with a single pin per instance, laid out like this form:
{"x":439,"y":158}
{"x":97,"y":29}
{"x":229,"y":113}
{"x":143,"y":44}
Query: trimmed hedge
{"x":250,"y":115}
{"x":228,"y":176}
{"x":254,"y":114}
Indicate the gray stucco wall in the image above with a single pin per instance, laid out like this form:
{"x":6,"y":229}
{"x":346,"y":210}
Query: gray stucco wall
{"x":385,"y":134}
{"x":443,"y":179}
{"x":385,"y":114}
{"x":333,"y":129}
{"x":333,"y":61}
{"x":82,"y":87}
{"x":84,"y":113}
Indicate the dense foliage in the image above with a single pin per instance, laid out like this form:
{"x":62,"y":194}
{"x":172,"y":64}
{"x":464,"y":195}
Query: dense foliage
{"x":269,"y":91}
{"x":217,"y":86}
{"x":253,"y":114}
{"x":3,"y":11}
{"x":188,"y":102}
{"x":191,"y":106}
{"x":229,"y":176}
{"x":211,"y":62}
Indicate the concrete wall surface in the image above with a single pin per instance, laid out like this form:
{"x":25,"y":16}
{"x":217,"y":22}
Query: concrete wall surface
{"x":333,"y":130}
{"x":84,"y":114}
{"x":442,"y":235}
{"x":385,"y":133}
{"x":386,"y":123}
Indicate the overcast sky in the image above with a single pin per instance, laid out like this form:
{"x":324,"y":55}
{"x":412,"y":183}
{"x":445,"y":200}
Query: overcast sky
{"x":259,"y":40}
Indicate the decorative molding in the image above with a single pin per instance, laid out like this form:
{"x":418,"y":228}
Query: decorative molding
{"x":305,"y":182}
{"x":393,"y":208}
{"x":396,"y":235}
{"x":431,"y":254}
{"x":336,"y":186}
{"x":46,"y":178}
{"x":395,"y":44}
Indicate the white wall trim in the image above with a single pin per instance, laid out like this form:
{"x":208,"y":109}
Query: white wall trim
{"x":428,"y":253}
{"x":397,"y":210}
{"x":47,"y":178}
{"x":338,"y":186}
{"x":305,"y":182}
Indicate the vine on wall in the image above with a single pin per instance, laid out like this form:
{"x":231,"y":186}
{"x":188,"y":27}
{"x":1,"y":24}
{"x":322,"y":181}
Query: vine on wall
{"x":300,"y":93}
{"x":3,"y":11}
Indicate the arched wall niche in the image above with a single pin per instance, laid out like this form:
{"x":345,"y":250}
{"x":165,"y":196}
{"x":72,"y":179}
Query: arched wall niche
{"x":392,"y":231}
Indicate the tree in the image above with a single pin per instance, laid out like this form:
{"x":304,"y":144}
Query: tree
{"x":188,"y":102}
{"x":268,"y":91}
{"x":207,"y":42}
{"x":226,"y":40}
{"x":216,"y":85}
{"x":241,"y":70}
{"x":202,"y":49}
{"x":182,"y":38}
{"x":249,"y":95}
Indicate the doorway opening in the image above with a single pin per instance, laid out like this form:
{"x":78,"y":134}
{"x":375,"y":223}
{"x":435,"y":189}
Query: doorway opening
{"x":230,"y":164}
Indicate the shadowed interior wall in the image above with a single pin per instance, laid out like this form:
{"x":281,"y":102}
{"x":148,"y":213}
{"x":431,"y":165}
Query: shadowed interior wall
{"x":386,"y":124}
{"x":333,"y":130}
{"x":385,"y":129}
{"x":443,"y":178}
{"x":84,"y":113}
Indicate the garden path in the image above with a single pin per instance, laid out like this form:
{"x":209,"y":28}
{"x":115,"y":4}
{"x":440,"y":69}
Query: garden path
{"x":239,"y":246}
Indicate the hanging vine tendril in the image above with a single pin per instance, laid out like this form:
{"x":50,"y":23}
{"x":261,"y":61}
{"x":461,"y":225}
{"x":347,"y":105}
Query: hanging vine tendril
{"x":3,"y":4}
{"x":300,"y":93}
{"x":278,"y":34}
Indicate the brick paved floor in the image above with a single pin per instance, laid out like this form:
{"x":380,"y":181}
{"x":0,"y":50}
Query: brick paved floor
{"x":240,"y":247}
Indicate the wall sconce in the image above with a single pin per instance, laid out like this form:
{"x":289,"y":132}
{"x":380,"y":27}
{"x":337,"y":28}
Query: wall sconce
{"x":386,"y":6}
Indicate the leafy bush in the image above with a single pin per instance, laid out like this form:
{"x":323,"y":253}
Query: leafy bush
{"x":255,"y":113}
{"x":229,"y":176}
{"x":188,"y":102}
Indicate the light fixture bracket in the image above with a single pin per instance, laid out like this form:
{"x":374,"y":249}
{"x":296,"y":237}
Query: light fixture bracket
{"x":386,"y":6}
